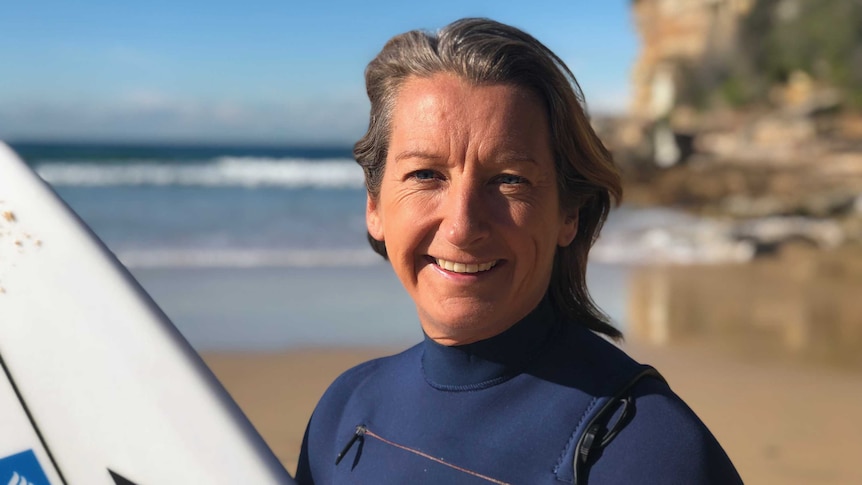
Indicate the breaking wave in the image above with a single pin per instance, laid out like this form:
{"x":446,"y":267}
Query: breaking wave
{"x":248,"y":172}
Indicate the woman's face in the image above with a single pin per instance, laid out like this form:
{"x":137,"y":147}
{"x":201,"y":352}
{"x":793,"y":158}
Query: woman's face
{"x":468,"y":205}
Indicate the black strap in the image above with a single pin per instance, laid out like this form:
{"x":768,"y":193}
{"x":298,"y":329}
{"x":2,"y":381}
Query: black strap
{"x":597,"y":435}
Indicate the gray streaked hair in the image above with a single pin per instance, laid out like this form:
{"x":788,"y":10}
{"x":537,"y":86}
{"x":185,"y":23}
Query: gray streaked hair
{"x":486,"y":52}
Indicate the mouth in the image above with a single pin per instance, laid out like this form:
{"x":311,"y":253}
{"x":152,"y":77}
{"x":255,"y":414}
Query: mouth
{"x":454,"y":267}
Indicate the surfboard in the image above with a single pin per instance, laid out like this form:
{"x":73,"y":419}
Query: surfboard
{"x":97,"y":386}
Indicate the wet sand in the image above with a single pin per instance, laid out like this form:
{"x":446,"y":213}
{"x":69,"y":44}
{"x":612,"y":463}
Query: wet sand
{"x":775,"y":355}
{"x":780,"y":422}
{"x":796,"y":305}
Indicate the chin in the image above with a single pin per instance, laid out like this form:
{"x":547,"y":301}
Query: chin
{"x":465,"y":325}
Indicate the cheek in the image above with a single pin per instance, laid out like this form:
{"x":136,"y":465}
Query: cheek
{"x":404,"y":235}
{"x":410,"y":216}
{"x":540,"y":221}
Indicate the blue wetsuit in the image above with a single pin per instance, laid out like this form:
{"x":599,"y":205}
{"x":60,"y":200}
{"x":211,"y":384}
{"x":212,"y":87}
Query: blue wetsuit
{"x":504,"y":410}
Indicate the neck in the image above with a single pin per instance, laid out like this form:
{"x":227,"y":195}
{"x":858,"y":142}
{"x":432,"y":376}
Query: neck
{"x":488,"y":361}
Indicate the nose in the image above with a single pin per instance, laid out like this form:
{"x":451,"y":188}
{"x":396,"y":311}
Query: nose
{"x":465,"y":215}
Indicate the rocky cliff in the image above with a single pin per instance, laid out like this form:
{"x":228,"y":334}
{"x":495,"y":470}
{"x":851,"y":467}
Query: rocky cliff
{"x":674,"y":34}
{"x":747,"y":110}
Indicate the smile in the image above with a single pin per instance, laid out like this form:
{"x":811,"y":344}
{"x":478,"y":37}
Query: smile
{"x":464,"y":267}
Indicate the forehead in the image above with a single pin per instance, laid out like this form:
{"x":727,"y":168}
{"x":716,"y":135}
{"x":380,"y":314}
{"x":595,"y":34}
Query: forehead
{"x":445,"y":104}
{"x":416,"y":88}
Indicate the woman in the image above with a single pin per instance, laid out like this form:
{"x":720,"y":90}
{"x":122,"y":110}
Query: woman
{"x":486,"y":189}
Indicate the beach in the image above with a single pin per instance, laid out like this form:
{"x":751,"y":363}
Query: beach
{"x":779,"y":423}
{"x":258,"y":256}
{"x":781,"y":394}
{"x":766,"y":353}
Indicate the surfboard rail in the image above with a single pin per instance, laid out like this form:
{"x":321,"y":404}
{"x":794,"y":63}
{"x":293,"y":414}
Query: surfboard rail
{"x":98,"y":386}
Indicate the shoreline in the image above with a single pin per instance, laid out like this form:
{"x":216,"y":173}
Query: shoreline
{"x":274,"y":309}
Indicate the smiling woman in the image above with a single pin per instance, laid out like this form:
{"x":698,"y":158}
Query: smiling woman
{"x":486,"y":189}
{"x":469,"y":183}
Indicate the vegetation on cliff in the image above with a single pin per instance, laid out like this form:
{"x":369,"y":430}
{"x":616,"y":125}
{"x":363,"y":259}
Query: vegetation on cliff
{"x":777,"y":40}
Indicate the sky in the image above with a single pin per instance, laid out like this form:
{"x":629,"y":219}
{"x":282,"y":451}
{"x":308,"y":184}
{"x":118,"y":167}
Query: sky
{"x":256,"y":71}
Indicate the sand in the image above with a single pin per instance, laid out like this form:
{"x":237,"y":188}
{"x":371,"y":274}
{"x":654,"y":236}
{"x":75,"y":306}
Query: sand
{"x":780,"y":422}
{"x":278,"y":391}
{"x":767,"y":354}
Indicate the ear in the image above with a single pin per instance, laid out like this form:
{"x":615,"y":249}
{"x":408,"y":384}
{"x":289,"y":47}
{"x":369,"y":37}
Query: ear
{"x":373,"y":219}
{"x":568,"y":230}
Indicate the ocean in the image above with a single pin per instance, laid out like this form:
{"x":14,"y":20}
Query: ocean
{"x":250,"y":248}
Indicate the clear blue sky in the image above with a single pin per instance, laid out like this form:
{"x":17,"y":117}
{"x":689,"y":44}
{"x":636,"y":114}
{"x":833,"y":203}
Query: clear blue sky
{"x":269,"y":71}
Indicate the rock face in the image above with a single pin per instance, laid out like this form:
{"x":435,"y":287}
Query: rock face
{"x":731,"y":125}
{"x":678,"y":30}
{"x":796,"y":151}
{"x":704,"y":74}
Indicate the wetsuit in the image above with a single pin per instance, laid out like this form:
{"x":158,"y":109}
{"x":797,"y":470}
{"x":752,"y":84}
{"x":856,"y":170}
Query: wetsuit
{"x":504,"y":410}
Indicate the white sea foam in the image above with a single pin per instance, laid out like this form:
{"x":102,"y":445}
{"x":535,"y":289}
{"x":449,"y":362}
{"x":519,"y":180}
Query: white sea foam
{"x":247,"y":258}
{"x":665,"y":236}
{"x":672,"y":246}
{"x":247,"y":172}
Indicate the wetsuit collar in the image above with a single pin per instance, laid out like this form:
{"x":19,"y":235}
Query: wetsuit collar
{"x":488,"y":362}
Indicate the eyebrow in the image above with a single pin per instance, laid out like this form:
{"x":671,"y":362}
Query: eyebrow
{"x":506,"y":157}
{"x":417,"y":154}
{"x":513,"y":157}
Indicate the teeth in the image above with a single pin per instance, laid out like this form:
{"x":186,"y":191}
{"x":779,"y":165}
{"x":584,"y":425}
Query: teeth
{"x":463,"y":267}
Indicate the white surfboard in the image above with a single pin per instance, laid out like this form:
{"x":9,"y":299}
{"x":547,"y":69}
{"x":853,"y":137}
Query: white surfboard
{"x":97,"y":386}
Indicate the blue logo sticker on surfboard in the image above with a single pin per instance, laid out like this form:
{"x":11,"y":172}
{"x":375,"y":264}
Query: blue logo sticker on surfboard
{"x":22,"y":469}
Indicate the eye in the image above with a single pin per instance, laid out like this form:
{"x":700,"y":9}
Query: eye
{"x":424,"y":175}
{"x":511,"y":179}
